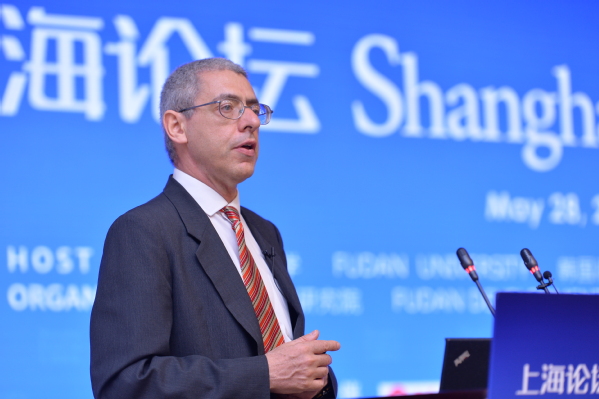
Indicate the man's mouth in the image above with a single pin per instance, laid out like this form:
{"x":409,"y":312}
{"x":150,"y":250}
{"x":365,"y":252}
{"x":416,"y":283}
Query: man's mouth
{"x":248,"y":145}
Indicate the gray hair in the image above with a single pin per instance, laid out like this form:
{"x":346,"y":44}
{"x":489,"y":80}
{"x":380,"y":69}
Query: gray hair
{"x":183,"y":86}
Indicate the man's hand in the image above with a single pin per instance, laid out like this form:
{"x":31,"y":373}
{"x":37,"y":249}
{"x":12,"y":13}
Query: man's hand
{"x":300,"y":367}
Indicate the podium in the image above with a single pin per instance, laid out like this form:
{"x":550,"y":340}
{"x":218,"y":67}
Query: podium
{"x":545,"y":345}
{"x":542,"y":345}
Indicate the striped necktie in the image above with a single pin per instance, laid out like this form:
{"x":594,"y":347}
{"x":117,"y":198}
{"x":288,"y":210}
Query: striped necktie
{"x":269,"y":325}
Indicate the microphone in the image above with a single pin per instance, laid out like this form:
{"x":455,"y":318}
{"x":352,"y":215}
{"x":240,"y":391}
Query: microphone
{"x":467,"y":263}
{"x":548,"y":276}
{"x":271,"y":256}
{"x":531,"y":264}
{"x":468,"y":266}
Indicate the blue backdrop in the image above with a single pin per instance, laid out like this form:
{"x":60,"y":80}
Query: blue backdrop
{"x":403,"y":130}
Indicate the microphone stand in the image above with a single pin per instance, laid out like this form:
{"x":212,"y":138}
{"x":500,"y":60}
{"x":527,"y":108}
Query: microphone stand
{"x":543,"y":286}
{"x":480,"y":288}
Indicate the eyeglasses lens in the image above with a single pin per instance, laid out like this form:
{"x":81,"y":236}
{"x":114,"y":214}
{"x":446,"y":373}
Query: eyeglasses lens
{"x":233,"y":109}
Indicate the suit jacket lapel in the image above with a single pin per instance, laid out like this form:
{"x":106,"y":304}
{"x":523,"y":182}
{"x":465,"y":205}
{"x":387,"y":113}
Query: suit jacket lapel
{"x":215,"y":260}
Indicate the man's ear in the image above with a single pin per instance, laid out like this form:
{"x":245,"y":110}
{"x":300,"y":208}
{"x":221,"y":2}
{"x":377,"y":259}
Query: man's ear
{"x":174,"y":124}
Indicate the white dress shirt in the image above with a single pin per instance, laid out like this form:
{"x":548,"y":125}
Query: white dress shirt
{"x":212,"y":202}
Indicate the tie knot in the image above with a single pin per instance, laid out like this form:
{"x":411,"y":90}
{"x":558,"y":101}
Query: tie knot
{"x":231,"y":214}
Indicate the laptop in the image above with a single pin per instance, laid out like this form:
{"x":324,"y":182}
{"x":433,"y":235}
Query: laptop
{"x":465,"y":364}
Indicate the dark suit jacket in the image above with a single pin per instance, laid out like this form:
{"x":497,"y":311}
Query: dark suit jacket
{"x":172,"y":318}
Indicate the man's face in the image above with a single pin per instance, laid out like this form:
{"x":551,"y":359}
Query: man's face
{"x":223,"y":151}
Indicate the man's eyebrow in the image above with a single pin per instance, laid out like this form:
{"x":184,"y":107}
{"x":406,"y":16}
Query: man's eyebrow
{"x":226,"y":96}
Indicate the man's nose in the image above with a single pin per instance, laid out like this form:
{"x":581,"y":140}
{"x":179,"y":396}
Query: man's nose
{"x":249,"y":118}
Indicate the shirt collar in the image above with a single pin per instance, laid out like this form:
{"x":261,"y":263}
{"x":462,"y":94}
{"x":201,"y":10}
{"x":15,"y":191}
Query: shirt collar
{"x":208,"y":199}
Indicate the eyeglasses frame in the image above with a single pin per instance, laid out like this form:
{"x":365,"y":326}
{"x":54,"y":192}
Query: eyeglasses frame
{"x":266,"y":107}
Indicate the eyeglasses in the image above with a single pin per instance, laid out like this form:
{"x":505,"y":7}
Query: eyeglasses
{"x":233,"y":109}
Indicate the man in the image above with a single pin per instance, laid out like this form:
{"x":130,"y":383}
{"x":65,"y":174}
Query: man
{"x":194,"y":299}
